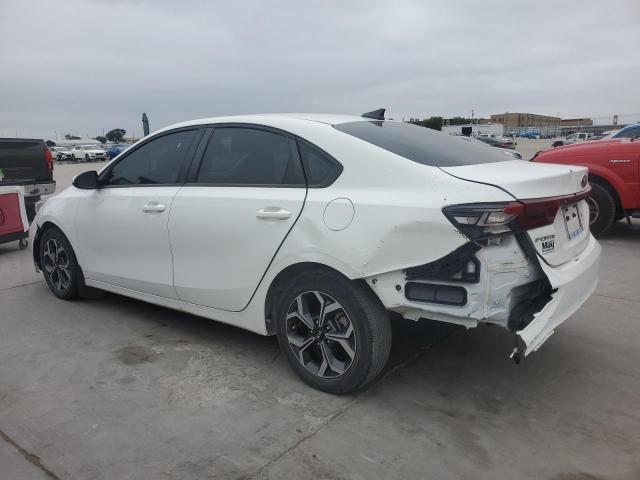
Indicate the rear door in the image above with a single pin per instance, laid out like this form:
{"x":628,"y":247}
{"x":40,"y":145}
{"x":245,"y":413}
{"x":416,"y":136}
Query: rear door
{"x":228,"y":222}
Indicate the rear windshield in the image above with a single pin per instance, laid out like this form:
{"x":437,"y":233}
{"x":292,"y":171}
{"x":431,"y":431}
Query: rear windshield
{"x":422,"y":145}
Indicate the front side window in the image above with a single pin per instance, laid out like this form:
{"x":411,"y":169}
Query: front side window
{"x":248,"y":156}
{"x":156,"y":162}
{"x":420,"y":144}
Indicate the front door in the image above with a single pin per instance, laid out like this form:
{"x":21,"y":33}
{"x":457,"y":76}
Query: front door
{"x":227,"y":225}
{"x":122,"y":226}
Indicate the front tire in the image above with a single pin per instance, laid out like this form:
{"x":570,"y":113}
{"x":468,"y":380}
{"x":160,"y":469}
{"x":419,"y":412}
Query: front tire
{"x":602,"y":209}
{"x":59,"y":264}
{"x":334,"y":332}
{"x":86,"y":158}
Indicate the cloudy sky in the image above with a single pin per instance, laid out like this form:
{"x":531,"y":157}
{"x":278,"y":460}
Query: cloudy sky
{"x":88,"y":66}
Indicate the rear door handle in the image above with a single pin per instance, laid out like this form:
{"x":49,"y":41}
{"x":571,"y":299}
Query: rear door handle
{"x":273,"y":213}
{"x":154,"y":207}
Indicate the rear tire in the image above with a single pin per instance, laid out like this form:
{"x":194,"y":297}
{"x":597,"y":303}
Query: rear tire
{"x":59,"y":265}
{"x":341,"y":351}
{"x":602,"y":209}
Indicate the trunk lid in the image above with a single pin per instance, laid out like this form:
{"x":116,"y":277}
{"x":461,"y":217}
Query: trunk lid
{"x":568,"y":235}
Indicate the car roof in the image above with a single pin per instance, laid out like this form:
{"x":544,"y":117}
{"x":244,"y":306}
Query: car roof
{"x":277,"y":120}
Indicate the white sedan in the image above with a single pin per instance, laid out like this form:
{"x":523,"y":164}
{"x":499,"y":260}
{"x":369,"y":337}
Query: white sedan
{"x":314,"y":227}
{"x":88,"y":153}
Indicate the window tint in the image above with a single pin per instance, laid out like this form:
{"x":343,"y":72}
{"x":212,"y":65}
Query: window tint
{"x":628,"y":132}
{"x":321,"y":169}
{"x":247,"y":156}
{"x":156,"y":162}
{"x":420,"y":144}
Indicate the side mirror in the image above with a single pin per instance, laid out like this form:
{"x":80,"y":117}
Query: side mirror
{"x":87,"y":180}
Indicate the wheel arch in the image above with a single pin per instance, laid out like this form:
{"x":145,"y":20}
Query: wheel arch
{"x":616,"y":185}
{"x":281,"y":279}
{"x":37,"y":237}
{"x":605,"y":183}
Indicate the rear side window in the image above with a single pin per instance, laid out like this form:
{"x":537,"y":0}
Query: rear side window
{"x":321,"y":169}
{"x":248,"y":156}
{"x":420,"y":144}
{"x":156,"y":162}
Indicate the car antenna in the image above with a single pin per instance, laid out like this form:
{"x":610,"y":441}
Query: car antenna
{"x":376,"y":114}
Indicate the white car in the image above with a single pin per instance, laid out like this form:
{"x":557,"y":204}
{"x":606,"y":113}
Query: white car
{"x":509,"y":152}
{"x":88,"y":153}
{"x":315,"y":227}
{"x":61,"y":152}
{"x":577,"y":137}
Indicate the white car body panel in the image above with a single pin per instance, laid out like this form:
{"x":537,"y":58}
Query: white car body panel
{"x":222,"y":265}
{"x":524,"y":179}
{"x":574,"y":282}
{"x":208,"y":254}
{"x":128,"y":246}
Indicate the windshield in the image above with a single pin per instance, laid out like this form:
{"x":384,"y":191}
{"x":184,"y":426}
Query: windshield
{"x":631,"y":131}
{"x":420,"y":144}
{"x":92,"y":147}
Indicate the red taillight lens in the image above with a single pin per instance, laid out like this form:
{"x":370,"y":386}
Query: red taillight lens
{"x":48,"y":157}
{"x":539,"y":212}
{"x":477,"y":220}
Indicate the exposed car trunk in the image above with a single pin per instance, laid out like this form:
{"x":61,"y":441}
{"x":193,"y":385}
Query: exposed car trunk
{"x":551,"y":187}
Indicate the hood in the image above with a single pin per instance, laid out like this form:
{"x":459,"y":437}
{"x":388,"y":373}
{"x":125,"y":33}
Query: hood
{"x":605,"y":143}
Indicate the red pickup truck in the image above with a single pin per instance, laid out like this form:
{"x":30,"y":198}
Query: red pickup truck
{"x":614,"y":175}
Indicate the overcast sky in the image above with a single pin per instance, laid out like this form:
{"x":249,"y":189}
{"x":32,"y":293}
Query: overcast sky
{"x":88,"y":66}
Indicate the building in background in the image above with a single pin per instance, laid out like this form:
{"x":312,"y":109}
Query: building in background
{"x":576,"y":122}
{"x":525,"y":120}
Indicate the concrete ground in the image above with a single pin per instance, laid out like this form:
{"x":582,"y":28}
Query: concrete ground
{"x":118,"y":389}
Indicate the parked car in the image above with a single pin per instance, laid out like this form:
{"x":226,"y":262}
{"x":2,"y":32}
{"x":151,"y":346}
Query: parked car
{"x":61,"y":152}
{"x":479,"y":141}
{"x":500,"y":142}
{"x":314,"y":227}
{"x":529,"y":134}
{"x":577,"y":137}
{"x":630,"y":131}
{"x":27,"y":162}
{"x":610,"y":133}
{"x":88,"y":153}
{"x":614,"y":175}
{"x":115,"y":150}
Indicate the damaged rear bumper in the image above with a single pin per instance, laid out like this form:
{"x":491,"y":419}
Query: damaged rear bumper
{"x":498,"y":284}
{"x":572,"y":283}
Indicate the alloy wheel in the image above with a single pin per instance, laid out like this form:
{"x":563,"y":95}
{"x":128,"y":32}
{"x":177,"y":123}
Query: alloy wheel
{"x":320,"y":334}
{"x":56,"y":265}
{"x":594,"y":210}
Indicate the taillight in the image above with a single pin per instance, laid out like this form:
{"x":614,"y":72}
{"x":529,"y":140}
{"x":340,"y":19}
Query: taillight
{"x":48,"y":157}
{"x":478,"y":220}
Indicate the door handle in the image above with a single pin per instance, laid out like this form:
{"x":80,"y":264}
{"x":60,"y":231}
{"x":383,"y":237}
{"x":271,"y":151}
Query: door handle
{"x":154,"y":207}
{"x":273,"y":213}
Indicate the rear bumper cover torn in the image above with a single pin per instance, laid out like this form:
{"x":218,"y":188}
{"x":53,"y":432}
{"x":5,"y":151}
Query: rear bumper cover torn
{"x":573,"y":283}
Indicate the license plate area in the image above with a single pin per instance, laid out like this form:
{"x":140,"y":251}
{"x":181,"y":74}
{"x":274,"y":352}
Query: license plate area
{"x":572,"y":220}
